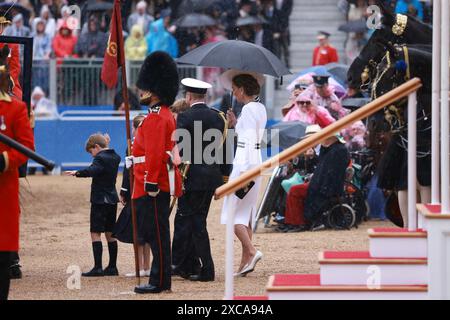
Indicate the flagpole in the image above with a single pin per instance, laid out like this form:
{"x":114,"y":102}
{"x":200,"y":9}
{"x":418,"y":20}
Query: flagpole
{"x":121,"y":51}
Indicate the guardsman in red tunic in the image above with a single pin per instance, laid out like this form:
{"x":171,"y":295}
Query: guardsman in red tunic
{"x":324,"y":53}
{"x":156,"y":178}
{"x":13,"y":61}
{"x":15,"y":124}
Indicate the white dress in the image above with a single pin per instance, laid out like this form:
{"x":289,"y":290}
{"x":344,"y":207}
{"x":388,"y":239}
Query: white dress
{"x":249,"y":129}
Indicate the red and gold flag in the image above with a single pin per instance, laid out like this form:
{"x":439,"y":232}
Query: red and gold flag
{"x":113,"y":55}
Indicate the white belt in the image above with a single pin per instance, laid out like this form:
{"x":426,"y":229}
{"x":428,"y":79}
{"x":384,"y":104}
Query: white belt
{"x":137,"y":160}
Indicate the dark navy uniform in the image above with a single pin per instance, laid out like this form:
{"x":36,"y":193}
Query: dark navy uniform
{"x":191,"y":246}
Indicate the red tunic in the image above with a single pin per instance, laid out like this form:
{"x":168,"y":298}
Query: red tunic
{"x":153,"y":139}
{"x":14,"y":67}
{"x":14,"y":115}
{"x":324,"y":55}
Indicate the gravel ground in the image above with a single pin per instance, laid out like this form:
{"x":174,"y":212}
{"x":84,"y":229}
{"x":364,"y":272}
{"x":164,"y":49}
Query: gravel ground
{"x":55,"y":237}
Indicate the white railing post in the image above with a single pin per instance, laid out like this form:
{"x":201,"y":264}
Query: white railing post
{"x":412,"y":161}
{"x":435,"y":145}
{"x":53,"y":88}
{"x":229,"y":255}
{"x":269,"y":98}
{"x":445,"y":130}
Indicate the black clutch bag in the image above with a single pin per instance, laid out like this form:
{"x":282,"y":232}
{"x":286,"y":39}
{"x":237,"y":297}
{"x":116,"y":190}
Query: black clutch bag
{"x":241,"y":193}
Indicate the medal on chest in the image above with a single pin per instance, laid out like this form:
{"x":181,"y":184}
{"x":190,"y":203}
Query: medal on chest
{"x":2,"y":123}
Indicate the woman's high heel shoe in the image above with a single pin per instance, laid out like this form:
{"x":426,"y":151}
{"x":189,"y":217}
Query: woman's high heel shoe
{"x":251,"y":266}
{"x":239,"y":273}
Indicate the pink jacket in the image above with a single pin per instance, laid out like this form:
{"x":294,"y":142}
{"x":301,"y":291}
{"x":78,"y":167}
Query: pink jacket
{"x":321,"y":117}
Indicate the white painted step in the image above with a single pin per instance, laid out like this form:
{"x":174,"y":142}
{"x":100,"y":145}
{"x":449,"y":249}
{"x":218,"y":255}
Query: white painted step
{"x":309,"y":287}
{"x":359,"y":268}
{"x":397,"y":243}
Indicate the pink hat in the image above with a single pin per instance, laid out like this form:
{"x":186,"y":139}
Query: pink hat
{"x":304,"y":96}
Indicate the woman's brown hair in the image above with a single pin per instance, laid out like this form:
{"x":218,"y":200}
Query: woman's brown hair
{"x":248,"y":83}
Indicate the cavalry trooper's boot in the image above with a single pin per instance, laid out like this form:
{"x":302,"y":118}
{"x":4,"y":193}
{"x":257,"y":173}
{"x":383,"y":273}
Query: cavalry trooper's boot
{"x":14,"y":269}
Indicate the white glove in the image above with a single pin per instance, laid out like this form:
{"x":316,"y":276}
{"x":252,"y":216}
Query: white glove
{"x":128,"y":162}
{"x":153,"y":194}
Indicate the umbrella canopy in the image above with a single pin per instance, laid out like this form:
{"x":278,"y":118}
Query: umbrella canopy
{"x":338,"y":71}
{"x":99,"y":6}
{"x":354,"y":26}
{"x":193,"y":20}
{"x":190,"y":6}
{"x":285,"y":134}
{"x":14,"y":9}
{"x":355,"y":103}
{"x":339,"y":89}
{"x":235,"y":54}
{"x":249,"y":20}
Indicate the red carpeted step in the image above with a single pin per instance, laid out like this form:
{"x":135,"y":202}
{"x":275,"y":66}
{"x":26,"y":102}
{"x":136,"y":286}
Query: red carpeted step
{"x":282,"y":280}
{"x":432,"y":211}
{"x":363,"y":257}
{"x":433,"y":208}
{"x":301,"y":282}
{"x":398,"y":243}
{"x":395,"y":230}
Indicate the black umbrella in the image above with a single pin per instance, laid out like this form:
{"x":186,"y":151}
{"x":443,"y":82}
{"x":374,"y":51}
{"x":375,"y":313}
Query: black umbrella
{"x":285,"y":134}
{"x":99,"y":6}
{"x":354,"y":26}
{"x":249,"y":20}
{"x":338,"y":71}
{"x":193,"y":20}
{"x":235,"y":54}
{"x":189,"y":6}
{"x":14,"y":9}
{"x":354,"y":103}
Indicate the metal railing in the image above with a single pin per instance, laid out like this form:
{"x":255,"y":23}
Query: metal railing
{"x":77,"y":82}
{"x":407,"y":89}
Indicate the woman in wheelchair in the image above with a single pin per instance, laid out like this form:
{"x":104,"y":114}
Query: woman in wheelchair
{"x":306,"y":202}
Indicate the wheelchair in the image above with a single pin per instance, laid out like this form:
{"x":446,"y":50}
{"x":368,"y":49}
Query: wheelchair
{"x":340,"y":213}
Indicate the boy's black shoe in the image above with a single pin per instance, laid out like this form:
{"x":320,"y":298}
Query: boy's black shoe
{"x":148,"y":288}
{"x":95,"y":272}
{"x":111,"y":271}
{"x":15,"y":272}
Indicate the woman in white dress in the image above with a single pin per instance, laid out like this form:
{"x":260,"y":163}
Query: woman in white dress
{"x":249,"y":129}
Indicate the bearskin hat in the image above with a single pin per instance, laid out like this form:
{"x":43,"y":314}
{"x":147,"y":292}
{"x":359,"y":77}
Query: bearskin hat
{"x":159,"y":75}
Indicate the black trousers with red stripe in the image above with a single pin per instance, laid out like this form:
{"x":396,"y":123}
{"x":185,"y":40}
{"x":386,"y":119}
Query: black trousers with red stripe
{"x":155,"y":230}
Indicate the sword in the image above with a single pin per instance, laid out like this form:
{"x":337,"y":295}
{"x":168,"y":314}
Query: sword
{"x":184,"y":168}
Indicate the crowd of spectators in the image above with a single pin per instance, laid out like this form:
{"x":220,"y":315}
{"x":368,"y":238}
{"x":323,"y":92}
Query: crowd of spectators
{"x":148,"y":26}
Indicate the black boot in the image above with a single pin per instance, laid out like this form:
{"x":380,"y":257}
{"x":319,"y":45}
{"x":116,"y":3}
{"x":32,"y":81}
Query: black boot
{"x":149,"y":288}
{"x":5,"y":263}
{"x":97,"y":271}
{"x":14,"y":269}
{"x":111,"y":269}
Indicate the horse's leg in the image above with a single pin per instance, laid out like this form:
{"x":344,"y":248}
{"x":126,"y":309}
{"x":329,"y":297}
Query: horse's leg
{"x":403,"y":204}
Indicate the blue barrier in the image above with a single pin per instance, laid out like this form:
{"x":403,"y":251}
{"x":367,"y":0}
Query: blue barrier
{"x":63,"y":140}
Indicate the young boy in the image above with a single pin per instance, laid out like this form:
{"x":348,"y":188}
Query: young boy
{"x":104,"y":201}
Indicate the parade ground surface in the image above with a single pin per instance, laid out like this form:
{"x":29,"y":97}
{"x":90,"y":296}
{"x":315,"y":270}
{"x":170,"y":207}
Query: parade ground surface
{"x":55,"y":236}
